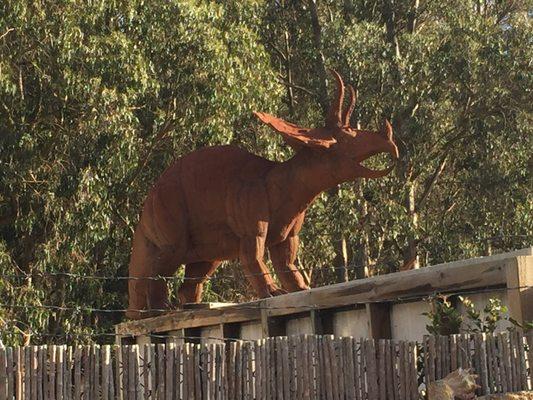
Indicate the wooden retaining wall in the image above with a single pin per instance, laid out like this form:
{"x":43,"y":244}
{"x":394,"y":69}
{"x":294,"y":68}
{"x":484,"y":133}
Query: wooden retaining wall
{"x":388,"y":306}
{"x":280,"y":368}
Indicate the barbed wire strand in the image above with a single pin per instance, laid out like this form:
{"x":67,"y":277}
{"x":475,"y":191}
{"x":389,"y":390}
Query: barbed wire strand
{"x":41,"y":274}
{"x":258,"y":303}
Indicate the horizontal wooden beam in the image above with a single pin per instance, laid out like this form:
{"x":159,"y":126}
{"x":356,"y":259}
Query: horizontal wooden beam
{"x":393,"y":287}
{"x":181,"y":319}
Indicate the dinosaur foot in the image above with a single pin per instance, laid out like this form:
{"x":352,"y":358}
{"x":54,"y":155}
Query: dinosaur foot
{"x":274,"y":290}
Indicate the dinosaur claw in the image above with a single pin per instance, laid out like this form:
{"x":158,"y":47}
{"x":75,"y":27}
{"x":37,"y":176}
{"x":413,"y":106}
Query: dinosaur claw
{"x":277,"y":292}
{"x":273,"y":290}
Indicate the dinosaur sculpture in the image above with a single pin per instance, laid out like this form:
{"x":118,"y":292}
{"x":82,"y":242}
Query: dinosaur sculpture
{"x":221,"y":203}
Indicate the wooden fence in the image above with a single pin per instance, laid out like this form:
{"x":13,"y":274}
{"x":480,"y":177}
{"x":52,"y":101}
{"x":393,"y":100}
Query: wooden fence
{"x":281,"y":368}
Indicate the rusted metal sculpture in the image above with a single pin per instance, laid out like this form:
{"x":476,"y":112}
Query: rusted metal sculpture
{"x":221,"y":203}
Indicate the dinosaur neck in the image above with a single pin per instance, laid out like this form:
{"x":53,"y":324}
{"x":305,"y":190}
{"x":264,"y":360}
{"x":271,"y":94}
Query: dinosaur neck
{"x":300,"y":179}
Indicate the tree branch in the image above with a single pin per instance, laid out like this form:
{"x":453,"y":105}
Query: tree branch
{"x":166,"y":128}
{"x":411,"y":23}
{"x":390,"y":24}
{"x":278,"y":51}
{"x":320,"y":60}
{"x":431,"y":183}
{"x":292,"y":85}
{"x":6,"y":33}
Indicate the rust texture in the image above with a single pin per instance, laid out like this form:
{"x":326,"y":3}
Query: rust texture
{"x":222,"y":203}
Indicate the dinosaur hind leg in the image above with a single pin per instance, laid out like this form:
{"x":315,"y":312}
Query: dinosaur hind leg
{"x":147,"y":297}
{"x":195,"y":276}
{"x":283,"y":256}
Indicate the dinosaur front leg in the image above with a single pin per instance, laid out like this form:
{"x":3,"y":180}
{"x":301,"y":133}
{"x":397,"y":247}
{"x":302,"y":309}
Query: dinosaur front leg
{"x":283,"y":256}
{"x":251,"y":253}
{"x":196,"y":274}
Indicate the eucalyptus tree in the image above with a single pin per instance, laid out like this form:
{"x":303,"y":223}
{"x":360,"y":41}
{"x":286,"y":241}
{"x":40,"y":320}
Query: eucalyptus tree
{"x":453,"y":77}
{"x":95,"y":100}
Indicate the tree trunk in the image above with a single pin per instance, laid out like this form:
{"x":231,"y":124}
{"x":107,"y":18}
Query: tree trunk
{"x":341,"y":260}
{"x":341,"y":255}
{"x":390,"y":24}
{"x":410,"y":252}
{"x":411,"y":22}
{"x":411,"y":259}
{"x":288,"y":72}
{"x":320,"y":64}
{"x":363,"y":259}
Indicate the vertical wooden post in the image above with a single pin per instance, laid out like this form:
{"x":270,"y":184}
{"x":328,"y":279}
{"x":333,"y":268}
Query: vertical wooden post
{"x":51,"y":372}
{"x":264,"y":323}
{"x":118,"y":365}
{"x":19,"y":357}
{"x":519,"y":274}
{"x":316,"y":323}
{"x":10,"y":373}
{"x":119,"y":370}
{"x":379,"y":324}
{"x":118,"y":337}
{"x":272,"y":326}
{"x":106,"y":374}
{"x":34,"y":364}
{"x":3,"y":373}
{"x":321,"y":322}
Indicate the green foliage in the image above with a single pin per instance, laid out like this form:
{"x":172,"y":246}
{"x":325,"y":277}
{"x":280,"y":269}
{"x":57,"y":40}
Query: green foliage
{"x":456,"y":108}
{"x":444,"y":318}
{"x":97,"y":98}
{"x":494,"y":311}
{"x":94,"y":103}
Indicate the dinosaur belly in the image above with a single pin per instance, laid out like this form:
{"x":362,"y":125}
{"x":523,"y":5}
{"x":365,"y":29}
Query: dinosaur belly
{"x":211,"y":244}
{"x":205,"y":179}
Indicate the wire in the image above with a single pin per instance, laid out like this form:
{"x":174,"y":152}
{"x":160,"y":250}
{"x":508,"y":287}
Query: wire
{"x":40,"y":274}
{"x":259,"y":303}
{"x":351,"y":267}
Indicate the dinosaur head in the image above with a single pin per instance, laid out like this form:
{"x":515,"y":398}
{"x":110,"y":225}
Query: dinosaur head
{"x":344,"y":147}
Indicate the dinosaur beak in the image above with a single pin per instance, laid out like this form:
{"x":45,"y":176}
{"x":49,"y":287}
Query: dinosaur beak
{"x":364,"y":172}
{"x":390,"y":148}
{"x":393,"y":150}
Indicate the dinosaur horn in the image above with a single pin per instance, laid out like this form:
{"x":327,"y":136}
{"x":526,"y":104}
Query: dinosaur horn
{"x":334,"y":115}
{"x":348,"y":112}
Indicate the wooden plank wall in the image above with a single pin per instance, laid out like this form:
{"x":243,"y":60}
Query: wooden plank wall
{"x":280,"y":368}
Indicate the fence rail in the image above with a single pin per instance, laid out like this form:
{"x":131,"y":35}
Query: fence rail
{"x":281,"y":368}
